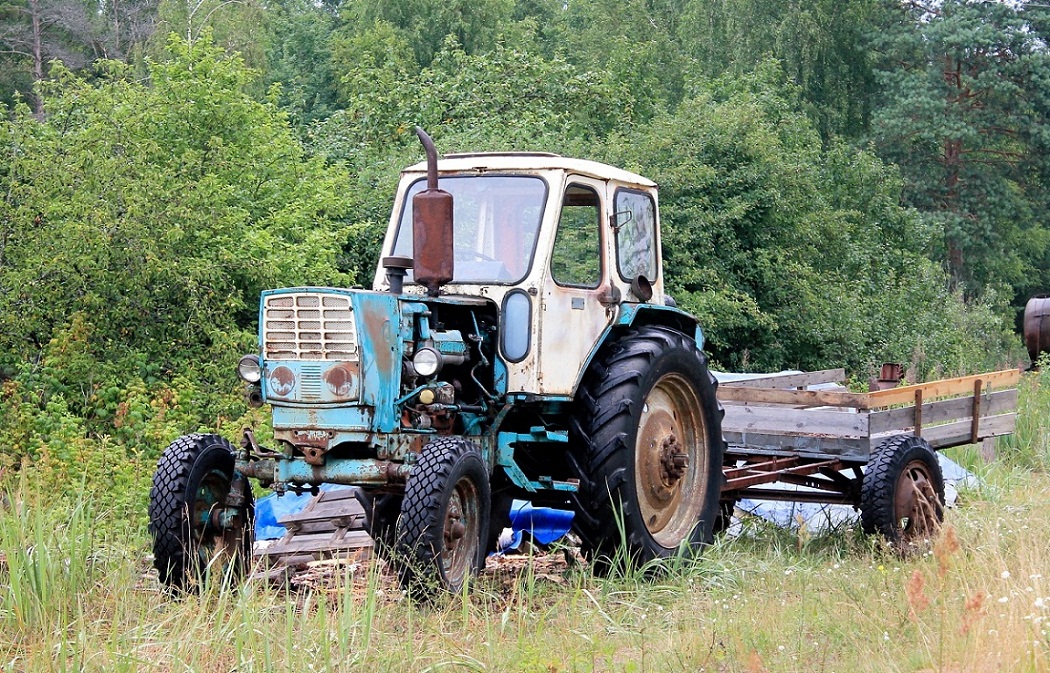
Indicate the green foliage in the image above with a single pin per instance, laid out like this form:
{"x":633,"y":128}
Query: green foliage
{"x":140,"y":223}
{"x":521,"y":94}
{"x":299,"y":59}
{"x":425,"y":24}
{"x":793,"y":256}
{"x":965,"y":114}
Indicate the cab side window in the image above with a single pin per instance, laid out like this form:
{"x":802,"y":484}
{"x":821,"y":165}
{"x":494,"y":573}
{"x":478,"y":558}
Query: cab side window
{"x":576,"y":260}
{"x":635,"y":234}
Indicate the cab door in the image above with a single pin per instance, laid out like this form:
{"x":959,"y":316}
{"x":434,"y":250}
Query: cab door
{"x":572,"y":315}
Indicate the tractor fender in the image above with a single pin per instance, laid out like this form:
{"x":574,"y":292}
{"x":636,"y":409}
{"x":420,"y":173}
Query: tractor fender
{"x":637,"y":315}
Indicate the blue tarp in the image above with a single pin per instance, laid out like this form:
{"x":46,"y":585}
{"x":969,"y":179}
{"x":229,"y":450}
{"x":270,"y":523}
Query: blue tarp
{"x":272,"y":507}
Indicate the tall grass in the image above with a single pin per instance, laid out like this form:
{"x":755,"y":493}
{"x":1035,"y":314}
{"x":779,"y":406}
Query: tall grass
{"x":76,"y":594}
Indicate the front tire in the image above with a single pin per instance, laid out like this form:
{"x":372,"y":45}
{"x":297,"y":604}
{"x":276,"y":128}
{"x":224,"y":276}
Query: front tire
{"x":444,"y":519}
{"x":191,"y":488}
{"x":381,"y":513}
{"x":647,"y":448}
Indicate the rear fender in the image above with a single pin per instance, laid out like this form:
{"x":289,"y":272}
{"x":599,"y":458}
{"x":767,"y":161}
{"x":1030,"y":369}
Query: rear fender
{"x":637,"y":315}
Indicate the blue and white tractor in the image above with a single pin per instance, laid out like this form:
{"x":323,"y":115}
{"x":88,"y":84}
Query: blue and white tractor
{"x":516,"y":343}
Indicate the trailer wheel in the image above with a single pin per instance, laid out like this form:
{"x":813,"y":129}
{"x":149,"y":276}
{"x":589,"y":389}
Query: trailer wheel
{"x":444,"y":519}
{"x":902,"y":492}
{"x":188,"y":501}
{"x":647,"y":448}
{"x":381,"y":513}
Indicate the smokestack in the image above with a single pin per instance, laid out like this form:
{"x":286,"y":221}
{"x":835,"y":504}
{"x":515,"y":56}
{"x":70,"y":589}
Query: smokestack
{"x":432,"y":231}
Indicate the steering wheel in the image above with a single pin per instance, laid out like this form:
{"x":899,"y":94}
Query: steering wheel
{"x":466,"y":255}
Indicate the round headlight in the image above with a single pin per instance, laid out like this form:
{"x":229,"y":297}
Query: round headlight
{"x":426,"y":362}
{"x":249,"y":369}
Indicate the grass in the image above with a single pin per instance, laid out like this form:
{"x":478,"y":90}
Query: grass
{"x":75,"y":595}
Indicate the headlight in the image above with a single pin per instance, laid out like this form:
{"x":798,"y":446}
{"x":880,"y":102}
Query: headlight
{"x":426,"y":362}
{"x":249,"y":369}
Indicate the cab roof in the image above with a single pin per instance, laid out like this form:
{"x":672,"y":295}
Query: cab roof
{"x":529,"y":161}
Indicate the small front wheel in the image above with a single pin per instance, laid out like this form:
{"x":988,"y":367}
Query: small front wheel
{"x":902,"y":493}
{"x":198,"y":528}
{"x":444,"y":519}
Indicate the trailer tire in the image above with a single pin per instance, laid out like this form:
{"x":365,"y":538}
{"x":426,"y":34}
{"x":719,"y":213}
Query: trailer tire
{"x":647,"y":448}
{"x":902,"y":492}
{"x":444,"y":521}
{"x":193,"y":478}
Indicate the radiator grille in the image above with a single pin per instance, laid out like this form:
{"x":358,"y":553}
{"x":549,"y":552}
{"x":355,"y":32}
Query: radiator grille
{"x":309,"y":326}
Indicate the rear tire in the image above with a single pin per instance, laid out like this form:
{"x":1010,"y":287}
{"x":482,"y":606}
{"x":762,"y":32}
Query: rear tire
{"x":647,"y":448}
{"x":444,"y":521}
{"x":902,"y":492}
{"x":190,"y":487}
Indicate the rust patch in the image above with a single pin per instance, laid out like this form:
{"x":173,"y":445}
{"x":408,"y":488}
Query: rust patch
{"x":380,"y":335}
{"x":282,"y":380}
{"x":342,"y":379}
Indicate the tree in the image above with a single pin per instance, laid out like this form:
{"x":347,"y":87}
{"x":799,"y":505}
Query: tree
{"x":37,"y":31}
{"x":965,"y":113}
{"x":299,"y":58}
{"x":424,"y":24}
{"x":151,"y":216}
{"x":821,"y":46}
{"x":790,"y":254}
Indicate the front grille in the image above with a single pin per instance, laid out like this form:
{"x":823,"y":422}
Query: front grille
{"x":309,"y":326}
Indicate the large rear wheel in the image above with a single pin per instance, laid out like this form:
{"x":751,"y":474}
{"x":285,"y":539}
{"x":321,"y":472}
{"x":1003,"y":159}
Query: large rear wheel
{"x":200,"y":513}
{"x":647,"y":448}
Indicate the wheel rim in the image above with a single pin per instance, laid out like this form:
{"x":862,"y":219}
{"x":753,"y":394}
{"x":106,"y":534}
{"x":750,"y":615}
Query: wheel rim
{"x":211,"y":540}
{"x":461,"y":534}
{"x":671,"y":461}
{"x":916,"y":505}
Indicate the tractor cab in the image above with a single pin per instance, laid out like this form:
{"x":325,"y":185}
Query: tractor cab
{"x":561,"y":246}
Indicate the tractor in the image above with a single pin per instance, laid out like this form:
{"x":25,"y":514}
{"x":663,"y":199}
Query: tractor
{"x":516,"y":343}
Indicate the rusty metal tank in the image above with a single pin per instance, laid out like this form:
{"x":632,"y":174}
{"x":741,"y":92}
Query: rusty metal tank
{"x":1037,"y":325}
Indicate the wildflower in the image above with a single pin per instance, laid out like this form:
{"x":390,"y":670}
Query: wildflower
{"x":973,"y":610}
{"x":1005,"y":575}
{"x":915,"y":590}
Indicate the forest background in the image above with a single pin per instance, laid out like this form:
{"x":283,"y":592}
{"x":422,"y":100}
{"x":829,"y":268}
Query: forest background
{"x":843,"y":182}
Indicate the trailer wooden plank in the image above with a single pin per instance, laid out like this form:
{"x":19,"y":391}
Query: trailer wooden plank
{"x":326,"y":525}
{"x":730,"y":394}
{"x":789,"y":380}
{"x":958,"y":386}
{"x":958,"y":433}
{"x":933,"y":413}
{"x":808,"y":446}
{"x":786,"y":421}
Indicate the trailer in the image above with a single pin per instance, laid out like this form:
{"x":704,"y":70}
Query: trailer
{"x":874,"y":450}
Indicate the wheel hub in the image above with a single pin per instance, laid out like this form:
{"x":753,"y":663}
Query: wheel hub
{"x":454,"y":526}
{"x":673,"y":459}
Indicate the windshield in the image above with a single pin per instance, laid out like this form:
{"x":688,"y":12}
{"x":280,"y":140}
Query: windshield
{"x":496,"y":220}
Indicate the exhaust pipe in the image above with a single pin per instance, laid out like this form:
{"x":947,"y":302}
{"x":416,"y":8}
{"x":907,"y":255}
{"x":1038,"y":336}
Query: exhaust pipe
{"x":432,"y":230}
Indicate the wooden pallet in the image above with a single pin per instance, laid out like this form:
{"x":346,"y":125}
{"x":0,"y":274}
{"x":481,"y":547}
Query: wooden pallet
{"x":330,"y":526}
